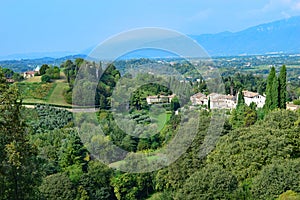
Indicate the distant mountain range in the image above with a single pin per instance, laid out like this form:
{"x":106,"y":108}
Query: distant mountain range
{"x":276,"y":37}
{"x":280,"y":36}
{"x":22,"y":65}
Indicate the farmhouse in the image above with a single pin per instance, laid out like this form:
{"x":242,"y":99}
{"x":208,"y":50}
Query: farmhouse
{"x":29,"y":74}
{"x":254,"y":97}
{"x":217,"y":101}
{"x":198,"y":99}
{"x":220,"y":101}
{"x":292,"y":107}
{"x":10,"y":80}
{"x":159,"y":99}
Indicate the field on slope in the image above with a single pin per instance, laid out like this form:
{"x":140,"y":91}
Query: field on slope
{"x":33,"y":91}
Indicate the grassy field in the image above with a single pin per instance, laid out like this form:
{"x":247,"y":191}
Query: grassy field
{"x":161,"y":119}
{"x":57,"y":95}
{"x":34,"y":91}
{"x":35,"y":79}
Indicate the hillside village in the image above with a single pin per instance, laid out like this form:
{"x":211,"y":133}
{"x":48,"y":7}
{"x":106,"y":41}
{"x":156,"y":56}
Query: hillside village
{"x":211,"y":101}
{"x":214,"y":100}
{"x":220,"y":101}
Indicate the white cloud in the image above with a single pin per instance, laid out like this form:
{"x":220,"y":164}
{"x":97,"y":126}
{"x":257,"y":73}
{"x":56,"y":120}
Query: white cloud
{"x":279,"y":8}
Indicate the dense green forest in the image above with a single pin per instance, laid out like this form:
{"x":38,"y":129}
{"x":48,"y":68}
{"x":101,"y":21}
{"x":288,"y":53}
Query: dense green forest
{"x":44,"y":154}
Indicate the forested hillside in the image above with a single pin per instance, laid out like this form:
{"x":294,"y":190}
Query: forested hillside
{"x":49,"y":153}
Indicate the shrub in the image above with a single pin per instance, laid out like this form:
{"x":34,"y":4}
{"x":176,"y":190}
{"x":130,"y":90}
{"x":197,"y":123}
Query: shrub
{"x":296,"y":102}
{"x":46,"y":78}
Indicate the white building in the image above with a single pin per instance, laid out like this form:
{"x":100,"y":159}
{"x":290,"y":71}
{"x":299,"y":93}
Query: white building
{"x":217,"y":101}
{"x":254,"y":97}
{"x":220,"y":101}
{"x":29,"y":74}
{"x":159,"y":99}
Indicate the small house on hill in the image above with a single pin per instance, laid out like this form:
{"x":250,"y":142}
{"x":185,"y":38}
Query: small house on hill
{"x":198,"y":99}
{"x":160,"y":99}
{"x":29,"y":74}
{"x":254,"y":97}
{"x":10,"y":80}
{"x":292,"y":107}
{"x":217,"y":101}
{"x":220,"y":101}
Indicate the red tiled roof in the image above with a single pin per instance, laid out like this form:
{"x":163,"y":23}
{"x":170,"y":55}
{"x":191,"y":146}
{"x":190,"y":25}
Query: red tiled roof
{"x":250,"y":94}
{"x":30,"y":72}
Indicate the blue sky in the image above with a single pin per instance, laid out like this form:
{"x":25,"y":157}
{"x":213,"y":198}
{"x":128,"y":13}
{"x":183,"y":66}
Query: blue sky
{"x":74,"y":25}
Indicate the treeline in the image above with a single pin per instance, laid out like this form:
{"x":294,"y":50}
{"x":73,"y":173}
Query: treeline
{"x":92,"y":76}
{"x":10,"y":74}
{"x":246,"y":81}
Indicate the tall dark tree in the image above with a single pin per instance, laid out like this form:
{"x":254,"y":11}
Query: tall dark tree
{"x":282,"y":88}
{"x":68,"y":70}
{"x":175,"y":104}
{"x":73,"y":152}
{"x":43,"y":69}
{"x":275,"y":94}
{"x":241,"y":100}
{"x":270,"y":81}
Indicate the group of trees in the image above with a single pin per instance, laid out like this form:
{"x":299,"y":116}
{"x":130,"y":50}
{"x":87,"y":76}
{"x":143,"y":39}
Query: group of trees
{"x":244,"y":115}
{"x":132,"y":142}
{"x":49,"y":72}
{"x":276,"y":91}
{"x":276,"y":97}
{"x":67,"y":168}
{"x":8,"y":73}
{"x":246,"y":81}
{"x":92,"y":77}
{"x":19,"y":164}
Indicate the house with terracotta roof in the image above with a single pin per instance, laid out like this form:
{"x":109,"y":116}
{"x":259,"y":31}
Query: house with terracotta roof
{"x":29,"y":74}
{"x":217,"y":101}
{"x":198,"y":99}
{"x":254,"y":97}
{"x":221,"y":101}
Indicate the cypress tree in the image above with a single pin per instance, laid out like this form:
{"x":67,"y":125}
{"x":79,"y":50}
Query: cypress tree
{"x":241,"y":100}
{"x":270,"y":81}
{"x":282,"y":88}
{"x":275,"y":94}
